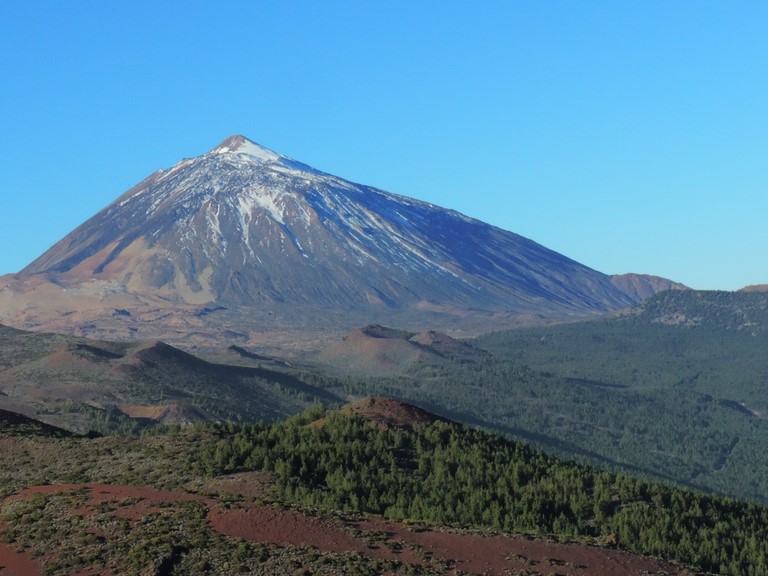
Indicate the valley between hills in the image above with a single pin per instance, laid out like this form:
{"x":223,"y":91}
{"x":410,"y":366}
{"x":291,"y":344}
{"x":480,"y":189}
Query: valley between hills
{"x":247,"y":365}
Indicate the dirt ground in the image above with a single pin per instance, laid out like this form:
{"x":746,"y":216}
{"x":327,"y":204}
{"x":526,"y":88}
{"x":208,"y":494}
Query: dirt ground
{"x":13,"y":563}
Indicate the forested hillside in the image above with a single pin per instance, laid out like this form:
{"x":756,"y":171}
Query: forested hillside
{"x":444,"y":473}
{"x":674,"y":390}
{"x":287,"y":499}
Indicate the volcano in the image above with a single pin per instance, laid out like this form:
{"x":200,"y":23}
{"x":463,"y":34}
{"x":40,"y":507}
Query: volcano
{"x":274,"y":242}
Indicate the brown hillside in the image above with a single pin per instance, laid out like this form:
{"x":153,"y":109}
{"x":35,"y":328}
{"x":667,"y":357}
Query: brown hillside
{"x":642,"y":286}
{"x":377,"y":350}
{"x":390,"y":413}
{"x":169,"y":413}
{"x":156,"y":353}
{"x":372,"y":350}
{"x":755,"y":288}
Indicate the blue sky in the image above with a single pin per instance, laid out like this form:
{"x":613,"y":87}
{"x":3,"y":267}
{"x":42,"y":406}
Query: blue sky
{"x":630,"y":136}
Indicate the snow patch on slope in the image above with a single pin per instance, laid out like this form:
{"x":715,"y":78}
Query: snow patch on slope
{"x":254,"y":198}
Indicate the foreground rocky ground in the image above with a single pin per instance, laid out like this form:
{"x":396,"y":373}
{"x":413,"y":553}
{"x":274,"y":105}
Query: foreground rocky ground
{"x":117,"y":529}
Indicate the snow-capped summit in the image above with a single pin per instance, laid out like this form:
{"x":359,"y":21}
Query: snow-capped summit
{"x":238,"y":144}
{"x":243,"y":226}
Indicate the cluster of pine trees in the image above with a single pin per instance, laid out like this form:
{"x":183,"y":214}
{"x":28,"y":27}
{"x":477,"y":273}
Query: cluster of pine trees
{"x":444,"y":473}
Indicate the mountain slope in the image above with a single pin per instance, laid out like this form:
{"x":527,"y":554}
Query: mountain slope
{"x":242,"y":226}
{"x":642,"y":286}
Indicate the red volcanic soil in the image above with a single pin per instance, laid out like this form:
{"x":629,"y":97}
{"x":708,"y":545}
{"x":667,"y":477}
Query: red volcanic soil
{"x":500,"y":554}
{"x":372,"y":538}
{"x":389,"y":413}
{"x":272,"y":525}
{"x":17,"y":564}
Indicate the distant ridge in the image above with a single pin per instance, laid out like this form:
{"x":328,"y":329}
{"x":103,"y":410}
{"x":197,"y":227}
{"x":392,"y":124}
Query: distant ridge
{"x":15,"y":424}
{"x":755,"y":288}
{"x":642,"y":286}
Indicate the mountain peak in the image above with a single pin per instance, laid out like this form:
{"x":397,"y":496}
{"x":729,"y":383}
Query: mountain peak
{"x":238,"y":144}
{"x":272,"y":241}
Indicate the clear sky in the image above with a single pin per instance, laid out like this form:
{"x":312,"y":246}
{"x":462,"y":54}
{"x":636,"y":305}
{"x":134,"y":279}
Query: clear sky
{"x":631,"y":136}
